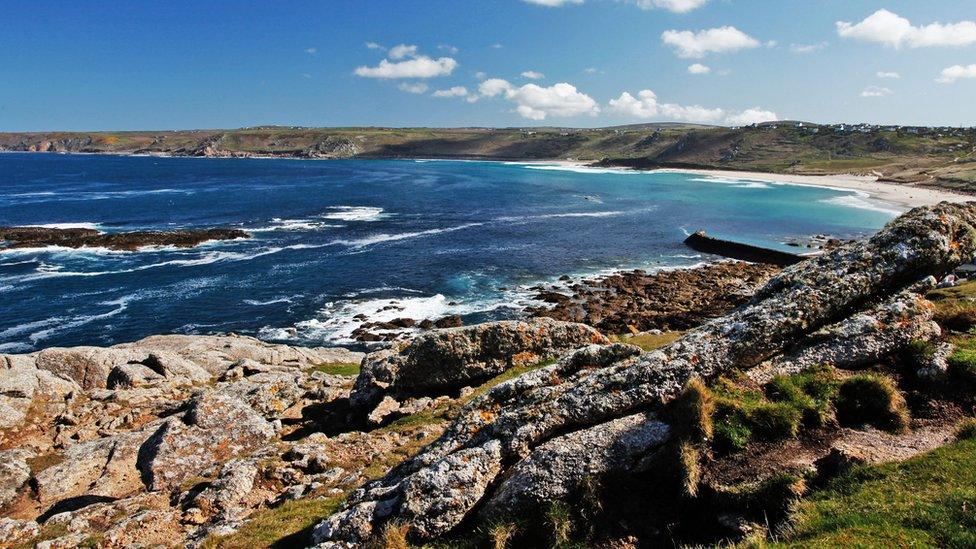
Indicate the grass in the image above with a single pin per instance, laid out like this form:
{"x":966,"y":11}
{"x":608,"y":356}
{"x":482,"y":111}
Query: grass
{"x":649,"y":342}
{"x":962,"y":365}
{"x":927,"y":501}
{"x":337,"y":368}
{"x":288,"y":525}
{"x":955,"y":307}
{"x":966,"y":430}
{"x":872,"y":399}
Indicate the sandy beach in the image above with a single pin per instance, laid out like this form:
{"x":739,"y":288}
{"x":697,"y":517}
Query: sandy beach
{"x":899,"y":197}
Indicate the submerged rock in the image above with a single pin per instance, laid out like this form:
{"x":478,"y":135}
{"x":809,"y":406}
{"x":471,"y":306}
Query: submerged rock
{"x":29,"y":237}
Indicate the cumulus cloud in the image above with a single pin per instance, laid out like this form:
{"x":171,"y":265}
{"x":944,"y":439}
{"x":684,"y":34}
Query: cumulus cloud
{"x":698,"y":68}
{"x":536,"y":102}
{"x":755,"y":115}
{"x":420,"y":66}
{"x":374,"y":46}
{"x":413,"y":87}
{"x":533,"y":75}
{"x":887,"y":74}
{"x":402,"y":50}
{"x":677,"y":6}
{"x":456,"y":91}
{"x":807,"y":48}
{"x":646,"y":105}
{"x":875,"y":91}
{"x":895,"y":31}
{"x":701,"y":43}
{"x":955,"y":72}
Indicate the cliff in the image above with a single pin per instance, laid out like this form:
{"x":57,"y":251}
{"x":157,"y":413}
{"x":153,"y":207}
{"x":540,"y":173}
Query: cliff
{"x":942,"y":157}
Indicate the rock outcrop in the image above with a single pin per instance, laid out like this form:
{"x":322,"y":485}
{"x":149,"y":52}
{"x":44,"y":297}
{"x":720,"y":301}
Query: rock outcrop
{"x":501,"y":434}
{"x":444,"y":361}
{"x":29,"y":237}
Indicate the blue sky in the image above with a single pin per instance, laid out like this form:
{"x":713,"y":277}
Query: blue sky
{"x":220,"y":64}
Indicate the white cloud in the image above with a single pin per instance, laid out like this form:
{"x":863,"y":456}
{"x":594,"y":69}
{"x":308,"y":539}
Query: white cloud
{"x":677,"y":6}
{"x":701,"y":43}
{"x":646,"y":105}
{"x":755,"y":115}
{"x":875,"y":91}
{"x":374,"y":46}
{"x":419,"y":67}
{"x":552,"y":3}
{"x":402,"y":50}
{"x":887,"y":74}
{"x":808,"y":48}
{"x":955,"y":72}
{"x":493,"y":87}
{"x":480,"y":75}
{"x":537,"y":103}
{"x":496,"y":46}
{"x":311,"y":51}
{"x":592,"y":70}
{"x":895,"y":31}
{"x":306,"y":75}
{"x":533,"y":75}
{"x":456,"y":91}
{"x":698,"y":68}
{"x":413,"y":87}
{"x":448,"y":48}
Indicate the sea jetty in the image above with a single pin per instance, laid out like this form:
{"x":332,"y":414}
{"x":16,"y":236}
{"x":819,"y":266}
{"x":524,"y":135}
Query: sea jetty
{"x":701,"y":242}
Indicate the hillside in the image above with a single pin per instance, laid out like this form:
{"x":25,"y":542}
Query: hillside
{"x":943,"y":157}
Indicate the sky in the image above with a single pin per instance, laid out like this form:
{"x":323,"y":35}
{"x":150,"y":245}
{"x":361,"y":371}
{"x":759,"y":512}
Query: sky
{"x":87,"y":66}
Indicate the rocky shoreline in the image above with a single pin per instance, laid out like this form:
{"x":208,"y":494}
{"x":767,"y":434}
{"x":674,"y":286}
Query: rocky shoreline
{"x":514,"y":433}
{"x":668,"y":300}
{"x":74,"y":237}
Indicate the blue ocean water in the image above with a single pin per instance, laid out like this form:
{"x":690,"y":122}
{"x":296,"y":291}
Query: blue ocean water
{"x":337,"y":239}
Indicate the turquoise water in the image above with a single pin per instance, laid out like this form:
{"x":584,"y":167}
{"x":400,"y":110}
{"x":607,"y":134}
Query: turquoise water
{"x":336,"y":239}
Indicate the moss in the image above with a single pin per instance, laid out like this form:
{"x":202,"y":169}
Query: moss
{"x":287,"y":525}
{"x":926,"y":501}
{"x":347,"y":369}
{"x":874,"y":400}
{"x":966,"y":430}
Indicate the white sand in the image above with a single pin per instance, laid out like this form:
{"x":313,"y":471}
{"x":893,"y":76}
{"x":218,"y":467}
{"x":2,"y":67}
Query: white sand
{"x":895,"y":196}
{"x":899,"y":196}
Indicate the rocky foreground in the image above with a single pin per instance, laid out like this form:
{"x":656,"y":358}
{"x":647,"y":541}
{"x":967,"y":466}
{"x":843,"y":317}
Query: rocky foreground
{"x":530,"y":433}
{"x":31,"y":237}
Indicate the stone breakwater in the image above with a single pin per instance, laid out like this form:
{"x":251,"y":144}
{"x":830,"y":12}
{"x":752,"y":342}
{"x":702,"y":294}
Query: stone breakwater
{"x":31,"y":237}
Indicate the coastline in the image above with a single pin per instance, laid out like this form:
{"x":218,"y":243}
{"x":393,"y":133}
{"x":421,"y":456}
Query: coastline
{"x":903,"y":197}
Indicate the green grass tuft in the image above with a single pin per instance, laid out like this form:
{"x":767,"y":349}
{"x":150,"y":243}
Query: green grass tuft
{"x":288,"y":525}
{"x":966,"y":430}
{"x":874,"y":400}
{"x":337,"y":368}
{"x":962,"y":365}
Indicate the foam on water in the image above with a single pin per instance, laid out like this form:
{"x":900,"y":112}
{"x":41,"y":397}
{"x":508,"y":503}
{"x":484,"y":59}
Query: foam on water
{"x":380,"y":238}
{"x":354,"y":213}
{"x":860,"y":201}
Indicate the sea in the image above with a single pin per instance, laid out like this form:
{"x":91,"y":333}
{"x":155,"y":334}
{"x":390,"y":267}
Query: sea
{"x":335,"y":243}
